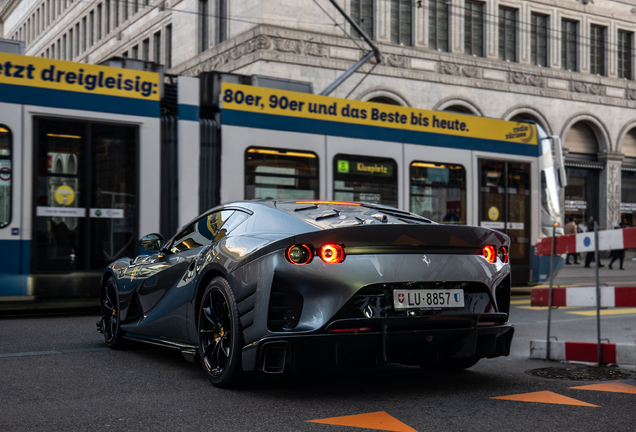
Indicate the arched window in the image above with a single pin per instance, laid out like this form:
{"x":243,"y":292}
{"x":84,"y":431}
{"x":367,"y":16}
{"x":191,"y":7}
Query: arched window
{"x":581,"y":139}
{"x":384,"y":100}
{"x":459,"y":109}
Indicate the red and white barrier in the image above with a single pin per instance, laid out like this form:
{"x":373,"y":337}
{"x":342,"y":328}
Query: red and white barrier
{"x":585,"y":296}
{"x":584,"y":242}
{"x":584,"y":352}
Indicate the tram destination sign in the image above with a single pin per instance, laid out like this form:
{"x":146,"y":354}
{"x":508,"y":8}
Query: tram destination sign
{"x":261,"y":100}
{"x":46,"y":73}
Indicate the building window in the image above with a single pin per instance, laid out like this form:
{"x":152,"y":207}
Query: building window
{"x":273,"y":173}
{"x":221,"y":21}
{"x":168,"y":57}
{"x":98,"y":22}
{"x":145,"y":50}
{"x":204,"y":25}
{"x":507,"y":34}
{"x":401,"y":23}
{"x":91,"y":26}
{"x":135,"y":6}
{"x":77,"y":37}
{"x":438,"y":25}
{"x":362,"y":14}
{"x":134,"y":52}
{"x":107,"y":17}
{"x":438,"y":192}
{"x":474,"y":28}
{"x":85,"y":31}
{"x":116,"y":17}
{"x":5,"y":176}
{"x":625,"y":54}
{"x":569,"y":36}
{"x":597,"y":50}
{"x":365,"y":178}
{"x":539,"y":40}
{"x":157,"y":47}
{"x":70,"y":44}
{"x":125,"y":17}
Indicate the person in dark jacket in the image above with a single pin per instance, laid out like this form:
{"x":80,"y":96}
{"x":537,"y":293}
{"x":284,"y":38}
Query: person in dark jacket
{"x":618,"y":254}
{"x":589,"y":257}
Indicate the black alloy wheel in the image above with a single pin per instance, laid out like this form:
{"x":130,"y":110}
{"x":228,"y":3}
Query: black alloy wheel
{"x":109,"y":324}
{"x":219,"y":334}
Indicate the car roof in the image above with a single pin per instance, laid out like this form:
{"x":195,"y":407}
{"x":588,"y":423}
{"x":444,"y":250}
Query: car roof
{"x":334,"y":214}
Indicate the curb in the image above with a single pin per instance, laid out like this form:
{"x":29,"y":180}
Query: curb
{"x":584,"y":352}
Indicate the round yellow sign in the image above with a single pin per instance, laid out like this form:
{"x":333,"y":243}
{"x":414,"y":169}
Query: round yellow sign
{"x":493,"y":213}
{"x":64,"y":195}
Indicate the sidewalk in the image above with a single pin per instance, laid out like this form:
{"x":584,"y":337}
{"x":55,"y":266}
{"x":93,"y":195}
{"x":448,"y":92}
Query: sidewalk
{"x":578,"y":275}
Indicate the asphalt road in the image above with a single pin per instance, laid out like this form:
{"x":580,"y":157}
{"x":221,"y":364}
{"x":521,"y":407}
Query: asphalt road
{"x":57,"y":375}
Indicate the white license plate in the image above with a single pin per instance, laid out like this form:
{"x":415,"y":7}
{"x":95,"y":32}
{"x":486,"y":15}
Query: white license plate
{"x":427,"y":298}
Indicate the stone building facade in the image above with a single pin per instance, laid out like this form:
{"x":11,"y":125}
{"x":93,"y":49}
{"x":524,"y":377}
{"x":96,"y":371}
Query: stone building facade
{"x":566,"y":64}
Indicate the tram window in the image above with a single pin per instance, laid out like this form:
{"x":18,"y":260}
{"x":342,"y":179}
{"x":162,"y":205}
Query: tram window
{"x":438,"y":192}
{"x":365,"y":178}
{"x":280,"y":174}
{"x":5,"y":176}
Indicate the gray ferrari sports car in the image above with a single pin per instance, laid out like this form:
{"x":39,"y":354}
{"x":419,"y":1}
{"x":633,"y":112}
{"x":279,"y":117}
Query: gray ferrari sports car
{"x":273,"y":285}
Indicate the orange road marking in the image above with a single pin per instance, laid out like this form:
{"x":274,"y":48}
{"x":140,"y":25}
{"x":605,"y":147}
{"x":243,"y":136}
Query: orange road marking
{"x":609,"y":387}
{"x":378,"y":420}
{"x":545,"y":397}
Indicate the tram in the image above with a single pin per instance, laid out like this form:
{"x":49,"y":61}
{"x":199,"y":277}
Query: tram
{"x":92,"y":157}
{"x":451,"y":168}
{"x":76,"y":142}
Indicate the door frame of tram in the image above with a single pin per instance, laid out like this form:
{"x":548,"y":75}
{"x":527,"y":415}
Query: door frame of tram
{"x":522,"y":266}
{"x":84,"y":281}
{"x":14,"y":244}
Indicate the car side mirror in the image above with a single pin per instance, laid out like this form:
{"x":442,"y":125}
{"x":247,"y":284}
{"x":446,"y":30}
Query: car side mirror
{"x":152,"y":242}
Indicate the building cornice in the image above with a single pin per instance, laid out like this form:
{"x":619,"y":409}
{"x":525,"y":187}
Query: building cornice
{"x":5,"y":7}
{"x":284,"y":45}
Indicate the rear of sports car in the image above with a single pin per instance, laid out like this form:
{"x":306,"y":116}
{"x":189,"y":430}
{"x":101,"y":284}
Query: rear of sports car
{"x":374,"y":285}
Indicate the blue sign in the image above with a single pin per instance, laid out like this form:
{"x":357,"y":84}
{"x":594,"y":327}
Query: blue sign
{"x":15,"y":231}
{"x":587,"y":241}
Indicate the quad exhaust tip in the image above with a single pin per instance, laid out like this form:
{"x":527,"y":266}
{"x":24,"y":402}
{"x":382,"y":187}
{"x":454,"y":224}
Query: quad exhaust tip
{"x":274,"y":358}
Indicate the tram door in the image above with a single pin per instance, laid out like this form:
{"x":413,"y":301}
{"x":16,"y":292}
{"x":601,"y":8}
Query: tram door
{"x":12,"y":241}
{"x":85,"y":194}
{"x":504,"y":205}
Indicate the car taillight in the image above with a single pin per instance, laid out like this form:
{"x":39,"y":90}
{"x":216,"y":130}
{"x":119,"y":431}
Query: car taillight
{"x":490,"y":253}
{"x":502,"y":253}
{"x":332,"y":253}
{"x":299,"y":254}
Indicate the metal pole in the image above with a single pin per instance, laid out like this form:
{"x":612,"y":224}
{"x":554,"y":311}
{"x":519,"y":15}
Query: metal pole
{"x":598,"y":298}
{"x":547,"y":340}
{"x":346,"y":74}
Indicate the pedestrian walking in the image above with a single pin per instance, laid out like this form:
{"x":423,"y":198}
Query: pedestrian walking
{"x":589,"y":257}
{"x":571,"y":228}
{"x":618,"y":254}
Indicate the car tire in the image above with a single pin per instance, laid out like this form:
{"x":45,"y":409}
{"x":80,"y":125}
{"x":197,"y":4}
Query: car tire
{"x":220,"y":334}
{"x":110,"y":323}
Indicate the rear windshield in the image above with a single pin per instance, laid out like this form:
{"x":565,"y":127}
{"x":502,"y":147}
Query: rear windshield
{"x":327,"y":214}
